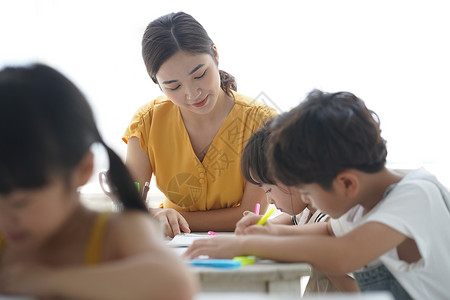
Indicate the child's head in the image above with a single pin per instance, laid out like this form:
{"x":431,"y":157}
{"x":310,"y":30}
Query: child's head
{"x":323,"y":136}
{"x":255,"y":169}
{"x":174,"y":32}
{"x":48,"y":128}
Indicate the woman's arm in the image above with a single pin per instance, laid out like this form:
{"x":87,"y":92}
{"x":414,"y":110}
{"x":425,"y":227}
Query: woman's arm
{"x":138,"y":162}
{"x":225,"y":219}
{"x":141,"y":170}
{"x":145,"y":269}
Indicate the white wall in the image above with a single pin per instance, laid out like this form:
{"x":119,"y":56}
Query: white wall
{"x":392,"y":54}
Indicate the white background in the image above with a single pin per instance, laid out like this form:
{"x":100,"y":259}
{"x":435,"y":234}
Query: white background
{"x":395,"y":55}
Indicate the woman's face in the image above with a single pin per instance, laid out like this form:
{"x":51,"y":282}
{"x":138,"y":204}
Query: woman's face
{"x":28,"y":218}
{"x":191,"y":81}
{"x":286,"y":199}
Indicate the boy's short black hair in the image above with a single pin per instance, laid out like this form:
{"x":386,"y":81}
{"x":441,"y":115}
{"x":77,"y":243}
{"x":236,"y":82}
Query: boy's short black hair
{"x":324,"y":135}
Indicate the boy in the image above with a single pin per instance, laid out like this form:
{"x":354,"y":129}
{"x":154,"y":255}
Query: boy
{"x":331,"y":149}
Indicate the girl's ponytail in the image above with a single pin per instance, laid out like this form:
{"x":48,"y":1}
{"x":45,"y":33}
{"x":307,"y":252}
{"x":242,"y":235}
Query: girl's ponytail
{"x":122,"y":184}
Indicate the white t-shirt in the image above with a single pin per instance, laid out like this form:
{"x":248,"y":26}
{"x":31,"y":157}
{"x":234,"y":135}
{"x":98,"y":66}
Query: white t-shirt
{"x":419,"y":207}
{"x":344,"y":224}
{"x":302,"y":218}
{"x":318,"y":282}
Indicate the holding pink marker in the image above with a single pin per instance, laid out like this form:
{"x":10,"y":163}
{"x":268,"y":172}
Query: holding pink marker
{"x":257,"y":206}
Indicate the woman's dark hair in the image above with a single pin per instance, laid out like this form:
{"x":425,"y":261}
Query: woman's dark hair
{"x":48,"y":127}
{"x":324,"y":135}
{"x":254,"y":164}
{"x":173,"y":32}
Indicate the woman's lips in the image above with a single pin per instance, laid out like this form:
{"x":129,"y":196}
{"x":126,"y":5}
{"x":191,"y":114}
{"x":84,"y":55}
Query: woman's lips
{"x":201,"y":103}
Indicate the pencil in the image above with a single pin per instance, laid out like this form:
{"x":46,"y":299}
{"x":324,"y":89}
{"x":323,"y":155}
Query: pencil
{"x":264,"y":218}
{"x":145,"y":191}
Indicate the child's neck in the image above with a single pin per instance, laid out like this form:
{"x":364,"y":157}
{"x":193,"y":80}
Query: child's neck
{"x":76,"y":228}
{"x":373,"y":187}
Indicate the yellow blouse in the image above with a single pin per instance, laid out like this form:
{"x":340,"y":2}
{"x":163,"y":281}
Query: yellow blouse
{"x":188,"y":183}
{"x":94,"y":246}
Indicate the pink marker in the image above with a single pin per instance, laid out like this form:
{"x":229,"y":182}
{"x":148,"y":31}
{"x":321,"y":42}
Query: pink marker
{"x":257,"y":206}
{"x":212,"y":233}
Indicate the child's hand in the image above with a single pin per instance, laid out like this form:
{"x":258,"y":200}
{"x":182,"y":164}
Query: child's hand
{"x":247,"y":225}
{"x":25,"y":279}
{"x":216,"y":247}
{"x":173,"y":221}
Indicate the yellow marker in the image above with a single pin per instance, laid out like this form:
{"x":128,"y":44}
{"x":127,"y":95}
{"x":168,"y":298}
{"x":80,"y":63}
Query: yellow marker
{"x":264,"y":218}
{"x":245,"y":260}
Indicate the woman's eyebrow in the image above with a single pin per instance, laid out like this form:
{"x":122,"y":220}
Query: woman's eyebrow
{"x":190,"y":73}
{"x":169,"y":81}
{"x":196,"y":68}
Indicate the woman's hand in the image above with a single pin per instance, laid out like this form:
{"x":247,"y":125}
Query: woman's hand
{"x":174,"y":222}
{"x":26,"y":279}
{"x":247,"y":225}
{"x":216,"y":247}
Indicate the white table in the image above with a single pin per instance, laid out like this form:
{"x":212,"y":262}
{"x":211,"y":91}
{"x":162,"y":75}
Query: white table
{"x":259,"y":296}
{"x":263,"y":276}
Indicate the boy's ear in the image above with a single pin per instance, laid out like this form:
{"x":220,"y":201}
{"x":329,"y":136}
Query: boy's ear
{"x":348,"y":182}
{"x":84,"y":170}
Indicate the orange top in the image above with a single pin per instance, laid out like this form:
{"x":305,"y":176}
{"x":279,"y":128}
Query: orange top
{"x":188,"y":183}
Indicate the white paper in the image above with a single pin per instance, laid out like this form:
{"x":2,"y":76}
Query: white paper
{"x":186,"y":239}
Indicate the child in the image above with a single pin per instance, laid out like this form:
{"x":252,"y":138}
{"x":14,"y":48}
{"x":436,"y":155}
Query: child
{"x":331,"y":149}
{"x":50,"y":245}
{"x":191,"y":138}
{"x":255,"y":169}
{"x":288,"y":200}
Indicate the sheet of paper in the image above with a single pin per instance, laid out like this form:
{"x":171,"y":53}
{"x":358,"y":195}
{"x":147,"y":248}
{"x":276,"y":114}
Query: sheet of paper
{"x":186,"y":239}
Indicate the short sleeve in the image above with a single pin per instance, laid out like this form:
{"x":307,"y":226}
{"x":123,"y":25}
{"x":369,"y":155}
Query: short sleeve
{"x":344,"y":224}
{"x":261,"y":114}
{"x":140,"y":126}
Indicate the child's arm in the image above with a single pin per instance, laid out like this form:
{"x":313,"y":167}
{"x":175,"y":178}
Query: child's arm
{"x":244,"y":225}
{"x":330,"y":254}
{"x":281,"y":219}
{"x":146,"y":270}
{"x":247,"y":225}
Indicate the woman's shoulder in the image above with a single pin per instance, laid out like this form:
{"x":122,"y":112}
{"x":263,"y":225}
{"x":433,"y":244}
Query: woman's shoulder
{"x":159,"y":106}
{"x":161,"y":102}
{"x":247,"y":105}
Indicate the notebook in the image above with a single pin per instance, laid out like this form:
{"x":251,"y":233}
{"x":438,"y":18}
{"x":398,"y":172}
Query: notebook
{"x":186,"y":239}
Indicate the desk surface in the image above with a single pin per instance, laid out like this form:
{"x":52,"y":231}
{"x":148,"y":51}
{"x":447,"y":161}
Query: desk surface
{"x":259,"y":296}
{"x":261,"y":270}
{"x":263,"y":276}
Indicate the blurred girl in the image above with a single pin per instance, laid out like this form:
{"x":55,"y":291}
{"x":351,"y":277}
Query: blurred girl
{"x":50,"y":244}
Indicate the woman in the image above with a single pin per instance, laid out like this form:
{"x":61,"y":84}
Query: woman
{"x":192,"y":137}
